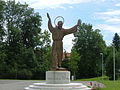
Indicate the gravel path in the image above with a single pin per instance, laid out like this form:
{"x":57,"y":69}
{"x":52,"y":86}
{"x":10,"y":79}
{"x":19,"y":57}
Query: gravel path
{"x":21,"y":84}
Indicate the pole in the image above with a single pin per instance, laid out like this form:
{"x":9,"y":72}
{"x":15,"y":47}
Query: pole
{"x":114,"y":66}
{"x":102,"y":65}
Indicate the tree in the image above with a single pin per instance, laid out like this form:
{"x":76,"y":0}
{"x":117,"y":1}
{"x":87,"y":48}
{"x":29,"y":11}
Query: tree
{"x":2,"y":43}
{"x":116,"y":41}
{"x":109,"y":61}
{"x":109,"y":64}
{"x":42,"y":54}
{"x":73,"y":63}
{"x":89,"y":44}
{"x":22,"y":36}
{"x":65,"y":61}
{"x":22,"y":32}
{"x":2,"y":31}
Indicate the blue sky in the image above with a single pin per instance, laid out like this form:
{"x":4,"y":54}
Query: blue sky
{"x":102,"y":14}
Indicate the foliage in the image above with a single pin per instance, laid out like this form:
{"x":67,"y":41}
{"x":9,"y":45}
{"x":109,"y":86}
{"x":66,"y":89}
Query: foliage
{"x":2,"y":30}
{"x":89,"y":44}
{"x":73,"y":63}
{"x":24,"y":74}
{"x":116,"y":41}
{"x":24,"y":48}
{"x":109,"y":64}
{"x":66,"y":60}
{"x":109,"y":60}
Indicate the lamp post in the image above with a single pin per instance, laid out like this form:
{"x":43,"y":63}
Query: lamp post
{"x":114,"y":65}
{"x":102,"y":64}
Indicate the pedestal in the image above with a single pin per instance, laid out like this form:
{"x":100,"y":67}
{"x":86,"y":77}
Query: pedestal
{"x":57,"y":77}
{"x":57,"y":80}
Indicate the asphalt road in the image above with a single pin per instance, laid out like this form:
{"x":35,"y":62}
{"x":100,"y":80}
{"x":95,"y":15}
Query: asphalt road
{"x":15,"y":84}
{"x":21,"y":84}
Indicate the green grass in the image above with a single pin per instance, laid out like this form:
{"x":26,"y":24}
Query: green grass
{"x":92,"y":79}
{"x":109,"y":84}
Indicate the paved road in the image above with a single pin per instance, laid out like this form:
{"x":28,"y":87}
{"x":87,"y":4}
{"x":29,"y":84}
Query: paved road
{"x":15,"y":84}
{"x":21,"y":84}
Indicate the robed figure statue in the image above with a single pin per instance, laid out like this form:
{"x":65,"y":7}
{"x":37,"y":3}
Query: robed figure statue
{"x":57,"y":35}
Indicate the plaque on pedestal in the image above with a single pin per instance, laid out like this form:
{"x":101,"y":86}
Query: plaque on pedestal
{"x":57,"y":77}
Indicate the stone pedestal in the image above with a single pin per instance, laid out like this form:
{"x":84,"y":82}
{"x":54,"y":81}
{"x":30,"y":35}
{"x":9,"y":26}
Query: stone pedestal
{"x":57,"y":77}
{"x":57,"y":80}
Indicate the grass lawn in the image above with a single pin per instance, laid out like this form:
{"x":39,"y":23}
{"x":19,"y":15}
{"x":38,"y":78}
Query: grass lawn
{"x":109,"y":84}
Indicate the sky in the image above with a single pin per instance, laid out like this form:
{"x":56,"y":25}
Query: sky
{"x":102,"y":14}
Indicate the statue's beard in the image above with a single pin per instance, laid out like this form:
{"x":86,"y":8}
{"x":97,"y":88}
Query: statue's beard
{"x":60,"y":27}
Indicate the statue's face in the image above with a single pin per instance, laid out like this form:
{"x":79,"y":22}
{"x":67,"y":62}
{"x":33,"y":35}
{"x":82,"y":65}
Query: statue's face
{"x":60,"y":24}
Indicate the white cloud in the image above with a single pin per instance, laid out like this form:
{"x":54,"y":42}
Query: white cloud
{"x":70,"y":6}
{"x":108,"y":42}
{"x":113,"y":20}
{"x":42,"y":4}
{"x":112,"y":28}
{"x":108,"y":31}
{"x":111,"y":16}
{"x":67,"y":42}
{"x":118,"y":4}
{"x":110,"y":13}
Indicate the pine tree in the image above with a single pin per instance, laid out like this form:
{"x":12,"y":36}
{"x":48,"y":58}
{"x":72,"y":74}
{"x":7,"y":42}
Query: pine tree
{"x":116,"y":41}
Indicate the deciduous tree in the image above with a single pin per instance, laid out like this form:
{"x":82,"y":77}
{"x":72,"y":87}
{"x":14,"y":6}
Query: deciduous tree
{"x":89,"y":44}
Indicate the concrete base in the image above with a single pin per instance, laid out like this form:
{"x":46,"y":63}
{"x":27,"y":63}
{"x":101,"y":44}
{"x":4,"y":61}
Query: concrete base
{"x":44,"y":86}
{"x":57,"y":80}
{"x":57,"y":77}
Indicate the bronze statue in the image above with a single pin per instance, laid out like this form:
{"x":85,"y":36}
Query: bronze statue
{"x":57,"y":35}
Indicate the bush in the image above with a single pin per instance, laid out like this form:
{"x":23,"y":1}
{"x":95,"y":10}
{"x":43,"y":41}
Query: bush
{"x":38,"y":74}
{"x":24,"y":74}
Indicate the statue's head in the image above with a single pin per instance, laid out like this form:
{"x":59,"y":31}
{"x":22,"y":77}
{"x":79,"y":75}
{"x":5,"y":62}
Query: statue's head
{"x":60,"y":24}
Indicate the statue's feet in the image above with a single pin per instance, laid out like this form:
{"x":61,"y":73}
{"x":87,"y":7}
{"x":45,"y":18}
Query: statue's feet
{"x":61,"y":69}
{"x":58,"y":69}
{"x":54,"y":68}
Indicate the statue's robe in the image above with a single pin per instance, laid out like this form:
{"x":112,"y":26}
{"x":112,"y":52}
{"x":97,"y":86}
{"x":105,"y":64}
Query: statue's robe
{"x":57,"y":46}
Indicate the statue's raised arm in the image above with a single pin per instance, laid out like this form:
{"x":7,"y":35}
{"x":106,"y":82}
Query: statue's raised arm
{"x":73,"y":29}
{"x":50,"y":27}
{"x":58,"y":34}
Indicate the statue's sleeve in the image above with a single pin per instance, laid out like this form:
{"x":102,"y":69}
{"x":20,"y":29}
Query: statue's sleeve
{"x":50,"y":27}
{"x":71,"y":30}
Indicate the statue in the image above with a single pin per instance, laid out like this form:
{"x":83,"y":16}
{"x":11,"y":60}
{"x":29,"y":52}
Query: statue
{"x":57,"y":35}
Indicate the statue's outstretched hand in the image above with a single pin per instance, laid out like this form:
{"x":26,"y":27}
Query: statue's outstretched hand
{"x":48,"y":16}
{"x":79,"y":22}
